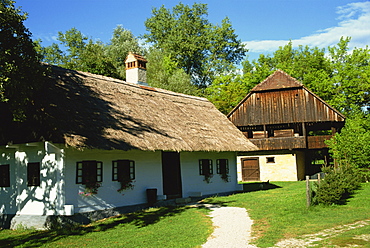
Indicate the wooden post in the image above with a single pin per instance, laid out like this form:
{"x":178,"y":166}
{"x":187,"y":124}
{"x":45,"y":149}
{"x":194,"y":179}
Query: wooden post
{"x":304,"y":132}
{"x":308,"y":191}
{"x":265,"y":134}
{"x":318,"y":178}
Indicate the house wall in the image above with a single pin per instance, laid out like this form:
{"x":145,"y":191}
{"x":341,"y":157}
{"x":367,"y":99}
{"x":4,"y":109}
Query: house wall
{"x":20,"y":199}
{"x":148,"y":174}
{"x":58,"y":188}
{"x":287,"y":166}
{"x":193,"y":182}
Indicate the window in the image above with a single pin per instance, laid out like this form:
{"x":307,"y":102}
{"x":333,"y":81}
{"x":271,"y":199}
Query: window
{"x":89,"y":172}
{"x":222,"y":166}
{"x":205,"y":167}
{"x":270,"y":160}
{"x":123,"y":170}
{"x":33,"y":174}
{"x":4,"y":175}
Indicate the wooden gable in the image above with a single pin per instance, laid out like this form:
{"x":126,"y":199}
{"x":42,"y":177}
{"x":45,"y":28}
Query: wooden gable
{"x":282,"y":99}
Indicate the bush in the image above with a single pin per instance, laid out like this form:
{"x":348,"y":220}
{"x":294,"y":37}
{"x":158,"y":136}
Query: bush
{"x":337,"y":186}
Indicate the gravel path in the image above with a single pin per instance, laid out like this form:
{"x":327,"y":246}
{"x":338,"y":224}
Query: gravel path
{"x":232,"y":228}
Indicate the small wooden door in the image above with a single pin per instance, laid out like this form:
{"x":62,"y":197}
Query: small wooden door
{"x":250,"y":169}
{"x":171,"y":171}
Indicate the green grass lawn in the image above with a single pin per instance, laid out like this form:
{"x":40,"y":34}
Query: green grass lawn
{"x":156,"y":227}
{"x":278,"y":213}
{"x":281,"y":213}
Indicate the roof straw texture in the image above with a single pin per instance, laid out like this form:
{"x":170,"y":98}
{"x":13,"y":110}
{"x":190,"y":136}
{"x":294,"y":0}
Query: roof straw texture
{"x":88,"y":111}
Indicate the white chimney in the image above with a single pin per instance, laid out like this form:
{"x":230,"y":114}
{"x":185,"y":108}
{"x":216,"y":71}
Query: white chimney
{"x":135,"y":69}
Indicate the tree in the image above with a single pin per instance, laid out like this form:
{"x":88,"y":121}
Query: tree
{"x":121,"y":43}
{"x":77,"y":52}
{"x":202,"y":49}
{"x":20,"y":70}
{"x":163,"y":72}
{"x":352,"y":145}
{"x":350,"y":77}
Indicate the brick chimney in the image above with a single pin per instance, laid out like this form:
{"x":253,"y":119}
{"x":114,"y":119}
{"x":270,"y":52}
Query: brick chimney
{"x":136,"y":69}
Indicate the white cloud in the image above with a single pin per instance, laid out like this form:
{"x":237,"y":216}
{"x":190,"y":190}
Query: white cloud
{"x":354,"y":21}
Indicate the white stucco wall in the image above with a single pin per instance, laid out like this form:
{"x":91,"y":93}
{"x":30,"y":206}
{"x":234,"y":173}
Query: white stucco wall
{"x":148,"y":174}
{"x":287,"y":167}
{"x":58,"y":179}
{"x":193,"y":182}
{"x":136,"y":76}
{"x":46,"y":199}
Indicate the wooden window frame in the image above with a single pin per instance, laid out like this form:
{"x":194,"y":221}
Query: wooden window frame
{"x":123,"y":170}
{"x":205,"y":167}
{"x":4,"y":175}
{"x":89,"y":171}
{"x":33,"y":174}
{"x":222,"y":166}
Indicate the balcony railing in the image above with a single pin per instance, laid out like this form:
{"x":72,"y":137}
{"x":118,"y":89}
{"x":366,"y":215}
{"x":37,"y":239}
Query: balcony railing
{"x":295,"y":142}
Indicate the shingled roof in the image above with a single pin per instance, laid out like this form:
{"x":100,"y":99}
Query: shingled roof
{"x":88,"y":111}
{"x":278,"y":80}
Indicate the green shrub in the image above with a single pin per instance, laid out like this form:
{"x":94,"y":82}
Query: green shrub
{"x":337,"y":186}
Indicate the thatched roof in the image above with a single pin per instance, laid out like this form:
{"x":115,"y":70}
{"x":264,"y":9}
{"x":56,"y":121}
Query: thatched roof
{"x":88,"y":111}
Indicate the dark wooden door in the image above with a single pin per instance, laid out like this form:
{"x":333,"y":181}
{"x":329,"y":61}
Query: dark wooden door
{"x":250,"y":169}
{"x":171,"y":172}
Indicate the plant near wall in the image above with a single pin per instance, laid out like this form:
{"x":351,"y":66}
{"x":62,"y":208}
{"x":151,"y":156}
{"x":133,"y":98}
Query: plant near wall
{"x":91,"y":188}
{"x":125,"y":184}
{"x":225,"y":177}
{"x":206,"y":169}
{"x":207,"y":177}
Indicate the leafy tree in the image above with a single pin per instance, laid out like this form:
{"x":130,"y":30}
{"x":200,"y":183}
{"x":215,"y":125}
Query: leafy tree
{"x":202,"y":49}
{"x":163,"y":72}
{"x":350,"y":77}
{"x":77,"y":52}
{"x":20,"y":69}
{"x":228,"y":90}
{"x":121,"y":43}
{"x":352,"y":145}
{"x":94,"y":60}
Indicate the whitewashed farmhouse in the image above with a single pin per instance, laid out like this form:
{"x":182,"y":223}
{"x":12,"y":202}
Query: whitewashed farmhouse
{"x":103,"y":142}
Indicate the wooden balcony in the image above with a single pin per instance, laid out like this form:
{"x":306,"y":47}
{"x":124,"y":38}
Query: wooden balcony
{"x":281,"y":143}
{"x":317,"y":142}
{"x":296,"y":142}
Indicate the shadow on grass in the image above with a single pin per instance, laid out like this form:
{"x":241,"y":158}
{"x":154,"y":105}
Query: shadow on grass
{"x":250,"y":187}
{"x":139,"y":219}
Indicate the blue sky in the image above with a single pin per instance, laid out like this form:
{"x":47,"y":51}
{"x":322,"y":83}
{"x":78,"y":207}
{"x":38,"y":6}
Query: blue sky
{"x":263,"y":25}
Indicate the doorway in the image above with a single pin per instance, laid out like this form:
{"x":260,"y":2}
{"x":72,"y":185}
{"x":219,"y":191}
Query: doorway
{"x":250,"y":169}
{"x":171,"y":173}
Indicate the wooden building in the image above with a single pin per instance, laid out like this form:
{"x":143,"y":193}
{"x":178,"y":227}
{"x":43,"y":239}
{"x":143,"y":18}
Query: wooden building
{"x":289,"y":124}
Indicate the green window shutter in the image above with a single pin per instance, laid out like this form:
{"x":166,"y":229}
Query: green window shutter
{"x":79,"y":172}
{"x":4,"y":175}
{"x":33,"y":174}
{"x":123,"y":170}
{"x":222,"y":166}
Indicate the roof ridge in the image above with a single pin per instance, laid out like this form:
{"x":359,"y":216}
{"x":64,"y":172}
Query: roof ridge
{"x":261,"y":86}
{"x":119,"y":81}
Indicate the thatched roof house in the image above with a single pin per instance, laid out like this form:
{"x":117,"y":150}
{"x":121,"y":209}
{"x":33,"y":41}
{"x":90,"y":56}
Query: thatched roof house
{"x":91,"y":130}
{"x":89,"y":111}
